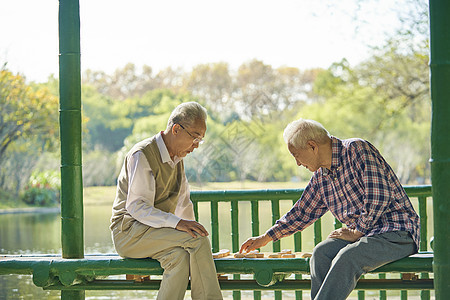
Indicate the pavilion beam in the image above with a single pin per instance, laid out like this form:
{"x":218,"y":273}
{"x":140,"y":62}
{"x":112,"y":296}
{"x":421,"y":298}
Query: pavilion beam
{"x":440,"y":141}
{"x":70,"y":130}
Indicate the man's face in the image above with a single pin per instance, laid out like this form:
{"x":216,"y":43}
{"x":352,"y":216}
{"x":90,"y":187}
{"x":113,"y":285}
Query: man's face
{"x":186,"y":137}
{"x":308,"y":157}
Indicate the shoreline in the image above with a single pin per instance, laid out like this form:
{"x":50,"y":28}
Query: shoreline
{"x":27,"y":210}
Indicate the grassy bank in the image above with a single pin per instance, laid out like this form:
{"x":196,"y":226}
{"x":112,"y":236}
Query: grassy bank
{"x":8,"y":201}
{"x":102,"y":195}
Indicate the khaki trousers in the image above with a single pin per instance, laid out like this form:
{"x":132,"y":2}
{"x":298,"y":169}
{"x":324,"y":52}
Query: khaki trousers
{"x":180,"y":255}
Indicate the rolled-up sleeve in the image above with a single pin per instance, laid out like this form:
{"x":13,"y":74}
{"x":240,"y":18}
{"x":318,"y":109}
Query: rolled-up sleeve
{"x":305,"y":211}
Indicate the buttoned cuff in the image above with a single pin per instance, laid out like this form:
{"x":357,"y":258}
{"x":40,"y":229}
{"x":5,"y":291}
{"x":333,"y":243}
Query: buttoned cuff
{"x":172,"y":221}
{"x":272,"y":234}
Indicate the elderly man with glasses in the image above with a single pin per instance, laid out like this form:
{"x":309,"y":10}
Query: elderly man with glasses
{"x":153,"y":215}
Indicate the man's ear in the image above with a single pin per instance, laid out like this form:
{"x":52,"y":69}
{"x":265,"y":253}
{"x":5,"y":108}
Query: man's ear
{"x":313,"y":145}
{"x":175,"y":129}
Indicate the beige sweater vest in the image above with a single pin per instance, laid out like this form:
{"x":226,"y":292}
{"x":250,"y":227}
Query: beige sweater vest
{"x":167,"y":182}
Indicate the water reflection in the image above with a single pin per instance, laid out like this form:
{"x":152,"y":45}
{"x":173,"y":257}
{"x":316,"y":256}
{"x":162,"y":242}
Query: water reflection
{"x":30,"y":233}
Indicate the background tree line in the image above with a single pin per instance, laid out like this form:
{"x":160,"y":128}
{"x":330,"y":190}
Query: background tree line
{"x":384,"y":99}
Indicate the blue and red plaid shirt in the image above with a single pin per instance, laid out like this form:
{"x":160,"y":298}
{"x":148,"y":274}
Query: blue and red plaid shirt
{"x":361,"y":191}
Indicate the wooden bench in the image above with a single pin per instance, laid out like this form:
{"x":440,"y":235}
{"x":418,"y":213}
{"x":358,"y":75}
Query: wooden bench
{"x":92,"y":272}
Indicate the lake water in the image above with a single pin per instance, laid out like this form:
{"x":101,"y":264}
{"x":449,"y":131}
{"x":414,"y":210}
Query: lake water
{"x":41,"y":233}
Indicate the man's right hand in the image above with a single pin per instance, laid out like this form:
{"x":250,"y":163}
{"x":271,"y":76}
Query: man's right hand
{"x":191,"y":227}
{"x":255,"y":243}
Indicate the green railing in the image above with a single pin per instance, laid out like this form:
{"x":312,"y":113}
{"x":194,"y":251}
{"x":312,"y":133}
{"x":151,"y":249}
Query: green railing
{"x":418,"y":195}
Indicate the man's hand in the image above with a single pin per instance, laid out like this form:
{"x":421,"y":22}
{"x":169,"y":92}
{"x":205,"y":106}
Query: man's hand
{"x":255,"y":243}
{"x":192,"y":227}
{"x":347,"y":234}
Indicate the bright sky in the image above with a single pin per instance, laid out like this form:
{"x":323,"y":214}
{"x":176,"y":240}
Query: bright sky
{"x":184,"y":33}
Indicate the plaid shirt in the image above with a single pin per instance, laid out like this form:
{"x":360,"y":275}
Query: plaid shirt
{"x":361,"y":191}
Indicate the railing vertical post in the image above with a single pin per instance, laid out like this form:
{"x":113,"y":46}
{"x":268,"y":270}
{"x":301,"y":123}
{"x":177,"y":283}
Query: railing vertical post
{"x":424,"y":295}
{"x":383,"y":293}
{"x":275,"y":216}
{"x":235,"y":225}
{"x":215,"y":225}
{"x":195,"y":203}
{"x":440,"y":141}
{"x":235,"y":239}
{"x":255,"y":232}
{"x":317,"y":231}
{"x":403,"y":295}
{"x":298,"y":248}
{"x":276,"y":245}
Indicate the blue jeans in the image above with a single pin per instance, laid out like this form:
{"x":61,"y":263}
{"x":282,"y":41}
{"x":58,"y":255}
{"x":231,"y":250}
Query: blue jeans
{"x":336,"y":265}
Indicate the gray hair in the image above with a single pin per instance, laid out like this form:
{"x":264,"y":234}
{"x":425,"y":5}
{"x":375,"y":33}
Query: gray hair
{"x":299,"y":132}
{"x":187,"y":114}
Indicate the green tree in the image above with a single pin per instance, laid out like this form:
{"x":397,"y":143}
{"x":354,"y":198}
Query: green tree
{"x":28,"y":126}
{"x":384,"y":100}
{"x":105,"y":124}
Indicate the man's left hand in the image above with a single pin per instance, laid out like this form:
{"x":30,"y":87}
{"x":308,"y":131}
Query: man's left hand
{"x":346,"y":234}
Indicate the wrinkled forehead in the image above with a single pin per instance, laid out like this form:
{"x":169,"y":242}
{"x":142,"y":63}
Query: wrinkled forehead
{"x":198,"y":127}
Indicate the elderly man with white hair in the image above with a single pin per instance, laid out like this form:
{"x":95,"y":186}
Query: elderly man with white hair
{"x":153,"y":215}
{"x":353,"y":181}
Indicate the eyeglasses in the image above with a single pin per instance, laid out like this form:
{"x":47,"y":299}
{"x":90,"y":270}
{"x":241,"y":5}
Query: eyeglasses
{"x":196,"y":139}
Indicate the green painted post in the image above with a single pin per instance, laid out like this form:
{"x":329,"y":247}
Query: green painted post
{"x":195,"y":203}
{"x":255,"y":217}
{"x":235,"y":225}
{"x":215,"y":225}
{"x":70,"y":129}
{"x":383,"y":294}
{"x":440,"y":141}
{"x":298,"y":248}
{"x":424,"y":295}
{"x":276,"y":245}
{"x":235,"y":239}
{"x":255,"y":232}
{"x":275,"y":216}
{"x":361,"y":294}
{"x":70,"y":133}
{"x":317,"y":231}
{"x":337,"y":224}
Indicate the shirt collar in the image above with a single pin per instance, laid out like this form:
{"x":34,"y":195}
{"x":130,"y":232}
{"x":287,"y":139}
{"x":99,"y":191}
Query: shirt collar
{"x":165,"y":156}
{"x":336,"y":149}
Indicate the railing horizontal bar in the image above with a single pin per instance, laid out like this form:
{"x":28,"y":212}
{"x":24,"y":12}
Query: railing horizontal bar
{"x":246,"y":195}
{"x":114,"y":265}
{"x":289,"y":284}
{"x":280,"y":194}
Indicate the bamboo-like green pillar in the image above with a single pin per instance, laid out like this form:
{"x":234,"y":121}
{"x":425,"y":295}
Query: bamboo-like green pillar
{"x":70,"y":130}
{"x":440,"y":141}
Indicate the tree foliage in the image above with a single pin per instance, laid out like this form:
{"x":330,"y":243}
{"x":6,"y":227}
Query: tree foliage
{"x":384,"y":99}
{"x":28,"y":126}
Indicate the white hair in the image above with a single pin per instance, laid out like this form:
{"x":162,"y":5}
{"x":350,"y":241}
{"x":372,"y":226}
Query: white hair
{"x":299,"y":132}
{"x":187,"y":114}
